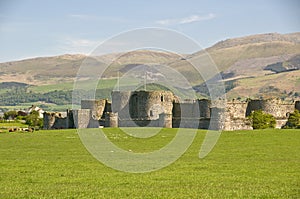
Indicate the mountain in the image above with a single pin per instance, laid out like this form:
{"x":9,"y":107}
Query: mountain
{"x":263,"y":65}
{"x":283,"y":66}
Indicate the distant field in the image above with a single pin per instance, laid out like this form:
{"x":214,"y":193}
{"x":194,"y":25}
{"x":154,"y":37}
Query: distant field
{"x":104,"y":88}
{"x":86,"y":84}
{"x":243,"y":164}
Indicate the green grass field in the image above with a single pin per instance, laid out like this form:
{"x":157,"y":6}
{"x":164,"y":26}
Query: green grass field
{"x":243,"y":164}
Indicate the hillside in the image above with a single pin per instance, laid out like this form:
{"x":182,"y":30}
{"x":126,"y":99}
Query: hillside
{"x":64,"y":68}
{"x":263,"y":65}
{"x":247,"y":56}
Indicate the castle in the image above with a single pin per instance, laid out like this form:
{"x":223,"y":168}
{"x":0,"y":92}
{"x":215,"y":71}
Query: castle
{"x":164,"y":109}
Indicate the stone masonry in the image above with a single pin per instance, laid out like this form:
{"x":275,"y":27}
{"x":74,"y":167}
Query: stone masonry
{"x":164,"y":109}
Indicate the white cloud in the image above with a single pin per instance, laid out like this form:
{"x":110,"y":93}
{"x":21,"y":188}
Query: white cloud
{"x":78,"y":45}
{"x":186,"y":20}
{"x":87,"y":17}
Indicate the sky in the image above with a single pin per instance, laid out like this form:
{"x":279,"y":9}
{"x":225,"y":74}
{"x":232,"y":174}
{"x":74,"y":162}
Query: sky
{"x":34,"y":28}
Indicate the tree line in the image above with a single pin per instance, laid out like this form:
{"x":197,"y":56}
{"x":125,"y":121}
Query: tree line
{"x":16,"y":96}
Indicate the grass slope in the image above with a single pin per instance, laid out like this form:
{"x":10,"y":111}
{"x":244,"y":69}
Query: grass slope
{"x":255,"y":87}
{"x":243,"y":164}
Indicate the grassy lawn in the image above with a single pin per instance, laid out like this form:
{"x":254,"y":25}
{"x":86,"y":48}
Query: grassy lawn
{"x":243,"y":164}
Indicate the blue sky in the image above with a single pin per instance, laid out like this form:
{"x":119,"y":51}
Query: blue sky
{"x":32,"y":28}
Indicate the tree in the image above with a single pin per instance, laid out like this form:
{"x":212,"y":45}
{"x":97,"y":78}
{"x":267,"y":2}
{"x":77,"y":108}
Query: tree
{"x":262,"y":120}
{"x":10,"y":115}
{"x":33,"y":119}
{"x":293,"y":120}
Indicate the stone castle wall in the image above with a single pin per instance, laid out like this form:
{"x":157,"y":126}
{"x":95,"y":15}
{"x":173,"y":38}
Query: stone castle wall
{"x":162,"y":109}
{"x":192,"y":109}
{"x":187,"y":109}
{"x":96,"y":107}
{"x":56,"y":121}
{"x":297,"y":105}
{"x":82,"y":118}
{"x":142,"y":104}
{"x":275,"y":107}
{"x":204,"y":108}
{"x":138,"y":123}
{"x":236,"y":109}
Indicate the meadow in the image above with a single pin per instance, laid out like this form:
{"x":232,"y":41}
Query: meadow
{"x":243,"y":164}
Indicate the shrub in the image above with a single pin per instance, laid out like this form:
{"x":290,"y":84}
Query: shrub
{"x":293,"y":120}
{"x":262,"y":120}
{"x":10,"y":115}
{"x":33,"y":119}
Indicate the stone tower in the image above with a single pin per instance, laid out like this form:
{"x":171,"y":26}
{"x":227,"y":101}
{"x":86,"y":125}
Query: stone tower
{"x":143,"y":106}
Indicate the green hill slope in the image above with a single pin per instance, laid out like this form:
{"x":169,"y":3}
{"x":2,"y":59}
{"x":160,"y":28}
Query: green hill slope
{"x":251,"y":66}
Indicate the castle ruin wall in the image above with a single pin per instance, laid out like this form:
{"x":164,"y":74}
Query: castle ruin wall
{"x":297,"y":105}
{"x":96,"y":106}
{"x":275,"y":107}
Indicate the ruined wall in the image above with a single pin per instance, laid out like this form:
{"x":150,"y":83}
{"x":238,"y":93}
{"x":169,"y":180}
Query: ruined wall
{"x":165,"y":120}
{"x":217,"y":118}
{"x":176,"y":110}
{"x":138,"y":123}
{"x":119,"y":100}
{"x":192,"y":109}
{"x":145,"y":105}
{"x":120,"y":103}
{"x":204,"y":108}
{"x":237,"y":124}
{"x":162,"y":109}
{"x":60,"y":123}
{"x":235,"y":116}
{"x":253,"y":105}
{"x":285,"y":110}
{"x":82,"y":118}
{"x":236,"y":109}
{"x":48,"y":120}
{"x":55,"y":120}
{"x":70,"y":119}
{"x":195,"y":123}
{"x":111,"y":119}
{"x":96,"y":106}
{"x":188,"y":109}
{"x":275,"y":107}
{"x":152,"y":103}
{"x":297,"y":105}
